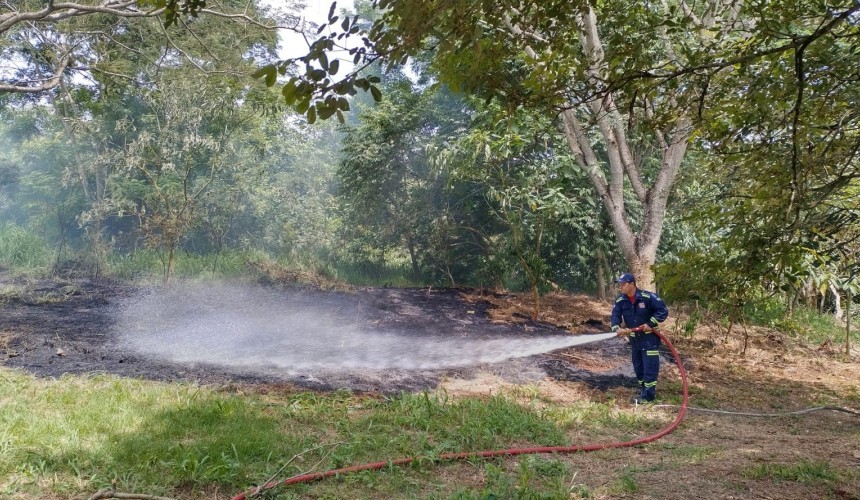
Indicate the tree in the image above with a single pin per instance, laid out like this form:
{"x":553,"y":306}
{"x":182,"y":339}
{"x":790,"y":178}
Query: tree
{"x":386,"y":179}
{"x":52,"y":43}
{"x":33,"y":162}
{"x":532,"y":188}
{"x":146,"y":136}
{"x":629,"y":82}
{"x":782,"y":164}
{"x":505,"y":46}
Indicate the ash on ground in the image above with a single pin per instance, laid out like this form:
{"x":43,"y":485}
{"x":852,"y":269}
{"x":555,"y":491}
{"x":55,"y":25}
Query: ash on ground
{"x":368,"y":340}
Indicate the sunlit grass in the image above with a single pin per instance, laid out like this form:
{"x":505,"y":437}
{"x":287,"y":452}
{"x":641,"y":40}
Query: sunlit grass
{"x":805,"y":323}
{"x":536,"y":478}
{"x":76,"y":435}
{"x":804,"y":472}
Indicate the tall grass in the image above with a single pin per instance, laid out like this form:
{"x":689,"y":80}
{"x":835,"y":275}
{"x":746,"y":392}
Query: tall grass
{"x":367,"y":274}
{"x":23,"y":249}
{"x":149,"y":265}
{"x":804,"y":323}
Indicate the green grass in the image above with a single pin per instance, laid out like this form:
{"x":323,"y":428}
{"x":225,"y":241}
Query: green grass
{"x":625,"y":484}
{"x":365,"y":274}
{"x":23,"y":249}
{"x":805,"y":472}
{"x":75,"y":435}
{"x":804,"y":323}
{"x":148,"y":265}
{"x":536,"y":478}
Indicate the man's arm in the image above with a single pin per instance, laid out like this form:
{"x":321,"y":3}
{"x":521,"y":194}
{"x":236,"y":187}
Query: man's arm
{"x":659,"y":311}
{"x":615,"y":321}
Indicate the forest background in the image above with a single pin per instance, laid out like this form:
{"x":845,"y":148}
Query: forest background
{"x":710,"y":148}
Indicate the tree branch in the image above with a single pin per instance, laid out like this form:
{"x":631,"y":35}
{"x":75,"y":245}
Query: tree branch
{"x":46,"y":84}
{"x":56,"y":11}
{"x":720,"y":63}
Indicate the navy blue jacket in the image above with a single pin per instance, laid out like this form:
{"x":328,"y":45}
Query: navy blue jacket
{"x":647,"y":308}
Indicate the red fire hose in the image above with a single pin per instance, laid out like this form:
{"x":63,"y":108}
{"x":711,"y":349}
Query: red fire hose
{"x":313,"y":476}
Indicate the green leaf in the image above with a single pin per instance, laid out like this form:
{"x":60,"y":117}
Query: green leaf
{"x":376,"y":93}
{"x":289,"y":92}
{"x":312,"y":115}
{"x":269,"y":72}
{"x":317,"y":75}
{"x":333,"y":67}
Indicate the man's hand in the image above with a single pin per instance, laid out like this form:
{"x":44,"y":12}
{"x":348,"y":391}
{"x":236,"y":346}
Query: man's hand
{"x":623,"y":332}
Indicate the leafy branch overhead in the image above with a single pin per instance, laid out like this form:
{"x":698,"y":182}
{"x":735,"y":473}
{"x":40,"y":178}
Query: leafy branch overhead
{"x":317,"y":92}
{"x":50,"y":43}
{"x":471,"y":43}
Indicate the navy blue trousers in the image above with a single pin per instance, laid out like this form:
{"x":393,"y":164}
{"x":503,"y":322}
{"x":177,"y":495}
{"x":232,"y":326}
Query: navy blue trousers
{"x":646,"y":364}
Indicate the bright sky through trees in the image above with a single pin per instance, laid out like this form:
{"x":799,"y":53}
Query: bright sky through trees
{"x":292,"y":44}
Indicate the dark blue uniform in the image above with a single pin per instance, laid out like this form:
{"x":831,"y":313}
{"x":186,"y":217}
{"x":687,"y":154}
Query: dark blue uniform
{"x":647,"y":308}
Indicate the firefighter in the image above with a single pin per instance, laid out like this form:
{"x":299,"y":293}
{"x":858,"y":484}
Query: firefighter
{"x":641,"y":312}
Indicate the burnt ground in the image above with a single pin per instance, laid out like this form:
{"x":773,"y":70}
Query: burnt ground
{"x":54,"y":327}
{"x":50,"y":328}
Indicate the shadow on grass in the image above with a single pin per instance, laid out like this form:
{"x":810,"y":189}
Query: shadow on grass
{"x":210,"y":443}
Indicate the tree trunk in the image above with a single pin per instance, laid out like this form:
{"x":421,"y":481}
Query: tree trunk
{"x":848,"y":322}
{"x":640,"y":250}
{"x":837,"y":302}
{"x":170,"y":269}
{"x":413,"y":256}
{"x":602,"y":266}
{"x":644,"y":273}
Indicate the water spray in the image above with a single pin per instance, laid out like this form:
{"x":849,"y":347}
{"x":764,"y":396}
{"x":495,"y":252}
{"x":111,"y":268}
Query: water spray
{"x":496,"y":453}
{"x":267,"y":332}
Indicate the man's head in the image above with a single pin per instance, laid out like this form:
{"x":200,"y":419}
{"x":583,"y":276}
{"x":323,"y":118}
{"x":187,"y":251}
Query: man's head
{"x":626,"y":278}
{"x":626,"y":284}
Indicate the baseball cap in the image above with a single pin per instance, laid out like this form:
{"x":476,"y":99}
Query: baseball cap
{"x":626,"y":278}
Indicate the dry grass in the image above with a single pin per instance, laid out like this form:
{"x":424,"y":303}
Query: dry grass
{"x":565,"y":310}
{"x":274,"y":273}
{"x":6,"y":339}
